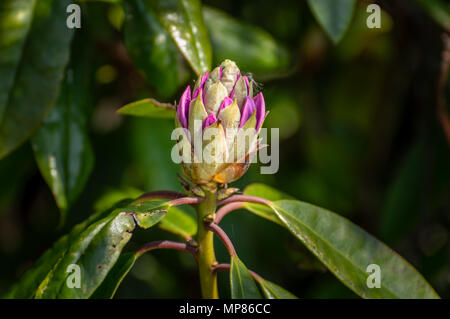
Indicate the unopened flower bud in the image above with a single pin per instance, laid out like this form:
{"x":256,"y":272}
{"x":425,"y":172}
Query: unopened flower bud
{"x":222,"y":120}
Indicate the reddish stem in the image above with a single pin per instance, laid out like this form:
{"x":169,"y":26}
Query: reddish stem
{"x":222,"y":236}
{"x":222,"y":267}
{"x":161,"y":194}
{"x":245,"y":198}
{"x":228,"y":208}
{"x":167,"y":244}
{"x":445,"y":65}
{"x":186,"y":201}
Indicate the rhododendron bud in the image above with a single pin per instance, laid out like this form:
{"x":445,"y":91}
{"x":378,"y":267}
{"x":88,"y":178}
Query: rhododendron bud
{"x":221,"y":120}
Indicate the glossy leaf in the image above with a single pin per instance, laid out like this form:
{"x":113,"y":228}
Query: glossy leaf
{"x":180,"y":223}
{"x":27,"y":285}
{"x":267,"y":192}
{"x":183,"y":19}
{"x":333,"y":15}
{"x":243,"y":286}
{"x":244,"y":44}
{"x":148,"y":108}
{"x":343,"y":247}
{"x":115,"y":277}
{"x":13,"y":35}
{"x":151,"y":46}
{"x":112,"y":196}
{"x":347,"y":250}
{"x":61,"y":146}
{"x":32,"y":60}
{"x":94,"y":246}
{"x":273,"y":291}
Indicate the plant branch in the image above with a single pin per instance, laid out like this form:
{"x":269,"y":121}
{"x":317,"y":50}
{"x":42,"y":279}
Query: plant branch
{"x":445,"y":64}
{"x":205,"y":239}
{"x":186,"y":201}
{"x":168,"y":244}
{"x":222,"y":267}
{"x":228,"y":208}
{"x":245,"y":198}
{"x":222,"y":236}
{"x":161,"y":194}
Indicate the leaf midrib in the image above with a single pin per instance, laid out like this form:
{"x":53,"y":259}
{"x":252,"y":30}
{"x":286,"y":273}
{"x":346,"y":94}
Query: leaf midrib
{"x":338,"y":251}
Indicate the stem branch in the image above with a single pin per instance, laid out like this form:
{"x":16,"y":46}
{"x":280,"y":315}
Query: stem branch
{"x":167,"y":244}
{"x":161,"y":194}
{"x":222,"y":267}
{"x":186,"y":201}
{"x":228,"y":208}
{"x":245,"y":198}
{"x":445,"y":65}
{"x":222,"y":236}
{"x":206,"y":257}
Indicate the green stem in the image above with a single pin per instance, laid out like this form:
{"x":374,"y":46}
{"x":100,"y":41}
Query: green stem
{"x":206,"y":257}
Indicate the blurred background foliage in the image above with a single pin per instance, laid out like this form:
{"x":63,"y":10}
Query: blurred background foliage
{"x":359,"y":135}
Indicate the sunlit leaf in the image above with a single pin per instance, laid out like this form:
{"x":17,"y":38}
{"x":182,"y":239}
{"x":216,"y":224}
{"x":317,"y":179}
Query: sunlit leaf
{"x":151,"y":46}
{"x":183,"y":19}
{"x":267,"y":192}
{"x":179,"y":222}
{"x":347,"y":250}
{"x":148,"y":108}
{"x":34,"y":50}
{"x":115,"y":277}
{"x":344,"y":248}
{"x":94,"y":246}
{"x":61,"y":146}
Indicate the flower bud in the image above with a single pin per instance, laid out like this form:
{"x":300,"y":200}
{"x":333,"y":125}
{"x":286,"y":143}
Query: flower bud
{"x":222,"y":120}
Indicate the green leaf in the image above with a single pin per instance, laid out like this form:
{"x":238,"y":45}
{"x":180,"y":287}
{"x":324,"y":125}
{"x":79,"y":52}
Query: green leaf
{"x":267,"y":192}
{"x":346,"y":250}
{"x":273,"y":291}
{"x":151,"y":46}
{"x":13,"y":35}
{"x":343,"y":247}
{"x":115,"y":277}
{"x":243,"y":286}
{"x":149,"y":108}
{"x":402,"y":206}
{"x":94,"y":246}
{"x":32,"y":62}
{"x":438,"y":10}
{"x":183,"y":19}
{"x":28,"y":283}
{"x":244,"y":44}
{"x":61,"y":146}
{"x":113,"y":196}
{"x":333,"y":15}
{"x":179,"y":222}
